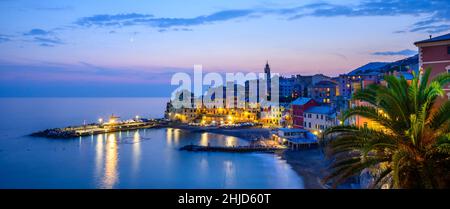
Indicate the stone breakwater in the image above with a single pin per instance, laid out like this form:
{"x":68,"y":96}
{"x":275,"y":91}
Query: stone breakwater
{"x":93,"y":129}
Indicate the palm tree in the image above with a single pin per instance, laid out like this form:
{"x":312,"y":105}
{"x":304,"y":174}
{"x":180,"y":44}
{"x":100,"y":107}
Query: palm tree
{"x":412,"y":147}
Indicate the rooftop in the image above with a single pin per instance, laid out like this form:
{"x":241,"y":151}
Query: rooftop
{"x":301,"y":101}
{"x":324,"y":110}
{"x":406,"y":75}
{"x":445,"y":37}
{"x":292,"y":130}
{"x":325,"y":84}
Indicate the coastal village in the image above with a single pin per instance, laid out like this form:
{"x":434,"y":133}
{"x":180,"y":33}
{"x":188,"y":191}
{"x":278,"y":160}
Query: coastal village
{"x":309,"y":105}
{"x":225,"y":104}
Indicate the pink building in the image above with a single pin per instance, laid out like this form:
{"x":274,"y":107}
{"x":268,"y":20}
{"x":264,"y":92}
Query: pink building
{"x":435,"y":53}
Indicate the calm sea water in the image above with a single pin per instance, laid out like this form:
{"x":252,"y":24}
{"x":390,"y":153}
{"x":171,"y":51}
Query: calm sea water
{"x":135,"y":159}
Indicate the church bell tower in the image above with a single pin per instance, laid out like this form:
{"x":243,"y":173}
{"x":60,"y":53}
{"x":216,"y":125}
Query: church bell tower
{"x":268,"y":80}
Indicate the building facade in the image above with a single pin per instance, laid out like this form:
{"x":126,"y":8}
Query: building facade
{"x":434,"y":53}
{"x":319,"y":118}
{"x":298,"y":108}
{"x":324,"y":92}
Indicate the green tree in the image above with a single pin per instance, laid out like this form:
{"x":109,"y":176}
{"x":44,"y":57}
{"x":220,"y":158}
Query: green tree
{"x":411,"y":150}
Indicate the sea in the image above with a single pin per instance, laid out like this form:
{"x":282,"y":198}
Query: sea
{"x":142,"y":159}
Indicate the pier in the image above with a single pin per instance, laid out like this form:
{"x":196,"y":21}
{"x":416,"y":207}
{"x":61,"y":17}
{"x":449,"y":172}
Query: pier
{"x":113,"y":125}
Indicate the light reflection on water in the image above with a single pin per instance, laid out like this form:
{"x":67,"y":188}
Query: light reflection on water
{"x":229,"y":177}
{"x":173,"y":136}
{"x":107,"y":157}
{"x":204,"y":139}
{"x":107,"y":154}
{"x":111,"y":174}
{"x":136,"y":152}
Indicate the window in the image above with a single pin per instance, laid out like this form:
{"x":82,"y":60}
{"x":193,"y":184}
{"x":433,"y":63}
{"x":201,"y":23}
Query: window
{"x":309,"y":124}
{"x":317,"y":116}
{"x":321,"y":117}
{"x":448,"y":49}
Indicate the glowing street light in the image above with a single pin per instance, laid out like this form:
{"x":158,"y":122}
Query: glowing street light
{"x":100,"y":120}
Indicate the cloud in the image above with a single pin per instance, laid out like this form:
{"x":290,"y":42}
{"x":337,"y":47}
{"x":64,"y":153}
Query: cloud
{"x":406,"y":52}
{"x":435,"y":11}
{"x":47,"y":42}
{"x":37,"y":32}
{"x":44,"y":38}
{"x":62,"y":8}
{"x":432,"y":28}
{"x":174,"y":29}
{"x":84,"y":71}
{"x":149,"y":20}
{"x":4,"y":38}
{"x":73,"y":80}
{"x":111,"y":20}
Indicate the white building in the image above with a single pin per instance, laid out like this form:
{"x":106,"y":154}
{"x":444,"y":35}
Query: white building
{"x":319,"y":118}
{"x":295,"y":138}
{"x":271,"y":114}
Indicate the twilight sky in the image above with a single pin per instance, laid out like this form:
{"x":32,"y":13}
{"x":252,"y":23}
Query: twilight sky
{"x":132,"y":48}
